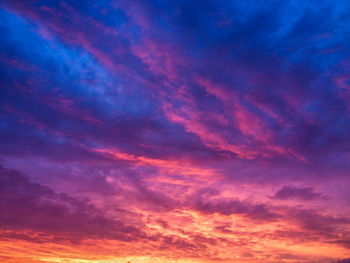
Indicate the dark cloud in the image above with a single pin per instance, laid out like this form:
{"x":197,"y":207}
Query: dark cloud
{"x":31,"y":206}
{"x":259,"y":212}
{"x":343,"y":261}
{"x":293,"y":192}
{"x":317,"y":226}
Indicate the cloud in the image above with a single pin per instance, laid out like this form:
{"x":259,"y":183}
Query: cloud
{"x":293,"y":192}
{"x":161,"y":121}
{"x":343,"y":261}
{"x":31,"y":206}
{"x":259,"y":212}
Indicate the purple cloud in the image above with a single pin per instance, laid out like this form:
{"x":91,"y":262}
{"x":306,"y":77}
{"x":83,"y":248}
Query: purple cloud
{"x":293,"y":192}
{"x":28,"y":205}
{"x":343,"y":261}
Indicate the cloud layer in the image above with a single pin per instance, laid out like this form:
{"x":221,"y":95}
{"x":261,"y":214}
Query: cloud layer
{"x":179,"y":131}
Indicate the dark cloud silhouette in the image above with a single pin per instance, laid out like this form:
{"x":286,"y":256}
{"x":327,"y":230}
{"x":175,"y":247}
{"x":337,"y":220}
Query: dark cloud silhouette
{"x":293,"y":192}
{"x":260,"y":212}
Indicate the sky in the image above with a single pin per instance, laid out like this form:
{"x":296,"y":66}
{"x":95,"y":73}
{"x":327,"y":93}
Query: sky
{"x":188,"y":131}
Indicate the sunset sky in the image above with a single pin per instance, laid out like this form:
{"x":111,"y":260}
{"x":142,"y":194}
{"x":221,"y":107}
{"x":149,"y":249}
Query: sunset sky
{"x":187,"y":131}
